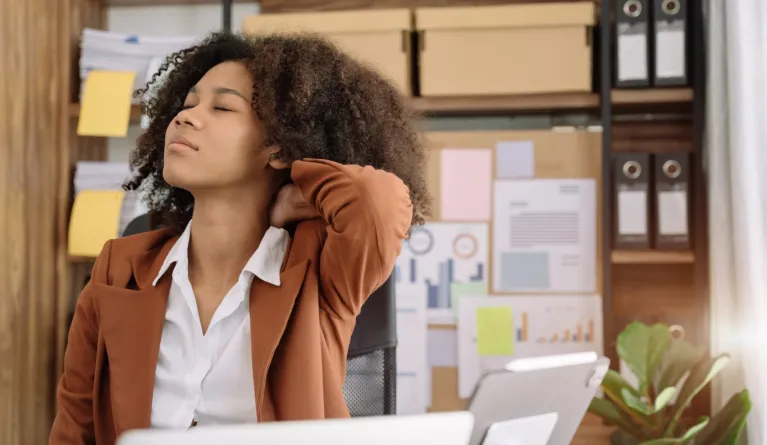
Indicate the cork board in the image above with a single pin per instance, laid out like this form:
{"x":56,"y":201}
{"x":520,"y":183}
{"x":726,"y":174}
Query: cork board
{"x":557,"y":154}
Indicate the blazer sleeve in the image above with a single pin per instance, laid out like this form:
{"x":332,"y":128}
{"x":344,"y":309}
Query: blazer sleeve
{"x":368,"y":213}
{"x":73,"y":424}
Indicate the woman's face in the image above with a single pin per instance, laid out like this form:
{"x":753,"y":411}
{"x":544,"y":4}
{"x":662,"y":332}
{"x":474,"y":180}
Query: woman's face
{"x":215,"y":141}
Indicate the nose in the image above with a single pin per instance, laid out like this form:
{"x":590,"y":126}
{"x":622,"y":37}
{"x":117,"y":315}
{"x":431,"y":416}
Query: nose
{"x":187,"y":117}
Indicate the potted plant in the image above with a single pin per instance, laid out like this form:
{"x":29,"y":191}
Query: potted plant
{"x":670,"y":373}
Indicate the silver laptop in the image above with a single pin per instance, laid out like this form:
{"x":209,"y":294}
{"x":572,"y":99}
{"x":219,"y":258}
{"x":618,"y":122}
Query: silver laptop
{"x":536,"y":401}
{"x":440,"y":428}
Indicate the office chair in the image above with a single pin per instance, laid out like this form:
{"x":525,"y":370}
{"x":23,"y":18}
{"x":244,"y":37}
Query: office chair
{"x":371,"y":369}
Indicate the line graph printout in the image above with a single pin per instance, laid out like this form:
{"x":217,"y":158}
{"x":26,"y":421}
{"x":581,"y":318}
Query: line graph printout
{"x":544,"y":236}
{"x":495,"y":330}
{"x":448,"y":261}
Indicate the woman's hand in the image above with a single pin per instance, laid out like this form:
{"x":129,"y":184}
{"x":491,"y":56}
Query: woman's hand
{"x":290,"y":207}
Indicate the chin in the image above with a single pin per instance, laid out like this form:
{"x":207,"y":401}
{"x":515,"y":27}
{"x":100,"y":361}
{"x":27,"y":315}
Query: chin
{"x":177,"y":177}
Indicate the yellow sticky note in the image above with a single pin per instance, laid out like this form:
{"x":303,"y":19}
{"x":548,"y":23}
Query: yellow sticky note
{"x":105,"y":104}
{"x":95,"y":220}
{"x":495,"y":328}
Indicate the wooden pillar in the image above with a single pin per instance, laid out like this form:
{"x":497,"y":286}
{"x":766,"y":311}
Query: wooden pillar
{"x":35,"y":77}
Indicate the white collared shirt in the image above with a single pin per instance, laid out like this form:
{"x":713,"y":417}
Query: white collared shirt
{"x":209,"y":378}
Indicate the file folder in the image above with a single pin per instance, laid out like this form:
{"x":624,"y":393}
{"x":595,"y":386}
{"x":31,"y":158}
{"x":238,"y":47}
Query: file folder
{"x":632,"y":25}
{"x":670,"y":38}
{"x":672,"y":179}
{"x":632,"y":201}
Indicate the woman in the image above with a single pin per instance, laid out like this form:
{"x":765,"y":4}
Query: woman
{"x":225,"y":316}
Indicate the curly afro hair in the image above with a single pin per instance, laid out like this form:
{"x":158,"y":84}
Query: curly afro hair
{"x":314,"y":101}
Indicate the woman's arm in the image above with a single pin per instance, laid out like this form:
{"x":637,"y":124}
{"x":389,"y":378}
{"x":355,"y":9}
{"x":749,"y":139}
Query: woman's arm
{"x":368,"y":213}
{"x":73,"y":424}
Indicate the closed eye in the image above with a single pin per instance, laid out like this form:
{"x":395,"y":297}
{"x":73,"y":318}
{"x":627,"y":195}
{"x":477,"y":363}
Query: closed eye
{"x":222,"y":109}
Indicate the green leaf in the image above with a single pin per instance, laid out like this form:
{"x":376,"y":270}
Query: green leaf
{"x":695,"y":429}
{"x":680,"y":358}
{"x":663,"y":398}
{"x":636,"y":403}
{"x":662,"y":442}
{"x":608,"y":411}
{"x":727,"y":425}
{"x":643,"y":348}
{"x":613,"y":386}
{"x":700,"y":375}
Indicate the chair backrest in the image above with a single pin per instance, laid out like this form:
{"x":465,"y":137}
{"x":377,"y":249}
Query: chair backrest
{"x":371,"y":368}
{"x":371,"y":371}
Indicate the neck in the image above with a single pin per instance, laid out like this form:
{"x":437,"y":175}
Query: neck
{"x":226,"y":229}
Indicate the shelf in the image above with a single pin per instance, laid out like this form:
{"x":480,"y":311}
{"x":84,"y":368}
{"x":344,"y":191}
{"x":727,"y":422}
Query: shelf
{"x":80,"y":259}
{"x":457,"y":105}
{"x":169,"y":2}
{"x":652,"y":257}
{"x":563,"y":102}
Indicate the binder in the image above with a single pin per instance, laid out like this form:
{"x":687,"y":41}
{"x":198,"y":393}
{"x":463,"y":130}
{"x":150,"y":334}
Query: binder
{"x":672,"y":179}
{"x":632,"y":26}
{"x":632,"y":201}
{"x":670,"y":42}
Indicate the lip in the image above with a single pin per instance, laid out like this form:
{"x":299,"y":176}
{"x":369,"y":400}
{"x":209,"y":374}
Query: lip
{"x":180,"y":143}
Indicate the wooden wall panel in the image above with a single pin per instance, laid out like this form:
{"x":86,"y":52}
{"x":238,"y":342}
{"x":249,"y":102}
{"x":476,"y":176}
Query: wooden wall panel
{"x":272,"y":6}
{"x":38,"y":66}
{"x":34,"y":99}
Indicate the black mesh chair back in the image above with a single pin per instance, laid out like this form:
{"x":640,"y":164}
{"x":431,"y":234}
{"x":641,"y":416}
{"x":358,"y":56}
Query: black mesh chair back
{"x":371,"y":370}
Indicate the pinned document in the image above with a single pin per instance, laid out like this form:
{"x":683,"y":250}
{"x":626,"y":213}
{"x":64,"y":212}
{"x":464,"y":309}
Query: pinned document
{"x":95,"y":220}
{"x":106,"y":104}
{"x":494,"y":331}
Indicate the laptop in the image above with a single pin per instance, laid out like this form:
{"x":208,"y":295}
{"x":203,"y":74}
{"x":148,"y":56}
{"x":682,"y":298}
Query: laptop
{"x":452,"y":428}
{"x":536,"y":401}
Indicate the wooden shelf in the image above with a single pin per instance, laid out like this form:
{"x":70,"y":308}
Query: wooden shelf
{"x":436,"y":106}
{"x":169,"y":2}
{"x":652,"y":257}
{"x":563,"y":102}
{"x":80,"y":259}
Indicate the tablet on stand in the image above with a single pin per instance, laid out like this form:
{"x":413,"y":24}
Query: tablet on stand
{"x":536,"y":401}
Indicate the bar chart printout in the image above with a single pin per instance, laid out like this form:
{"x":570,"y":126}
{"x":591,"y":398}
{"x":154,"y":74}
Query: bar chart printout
{"x":495,"y":330}
{"x":448,"y":261}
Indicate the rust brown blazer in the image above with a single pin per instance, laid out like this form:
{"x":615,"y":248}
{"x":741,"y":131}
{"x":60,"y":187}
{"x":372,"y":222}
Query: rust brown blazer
{"x":300,"y":330}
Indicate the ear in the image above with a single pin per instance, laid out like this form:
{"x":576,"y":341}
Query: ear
{"x":275,"y":159}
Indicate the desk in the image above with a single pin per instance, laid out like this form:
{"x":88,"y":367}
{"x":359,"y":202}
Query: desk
{"x":593,"y":432}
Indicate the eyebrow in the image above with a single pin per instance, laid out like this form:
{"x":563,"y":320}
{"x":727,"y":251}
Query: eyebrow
{"x":222,"y":90}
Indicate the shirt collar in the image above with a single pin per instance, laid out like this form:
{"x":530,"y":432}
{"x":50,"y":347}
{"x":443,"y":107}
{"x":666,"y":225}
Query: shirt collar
{"x":265,"y":263}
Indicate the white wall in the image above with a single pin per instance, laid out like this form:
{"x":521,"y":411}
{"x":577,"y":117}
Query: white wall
{"x":195,"y":20}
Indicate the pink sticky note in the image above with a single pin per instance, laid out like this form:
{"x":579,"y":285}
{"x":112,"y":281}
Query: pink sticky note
{"x":465,"y":184}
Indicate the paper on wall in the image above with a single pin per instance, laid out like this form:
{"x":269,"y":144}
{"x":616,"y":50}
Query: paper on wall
{"x":538,"y":325}
{"x":438,"y":255}
{"x":515,"y":160}
{"x":413,"y":382}
{"x":544,"y":235}
{"x":465,"y":180}
{"x":443,"y":348}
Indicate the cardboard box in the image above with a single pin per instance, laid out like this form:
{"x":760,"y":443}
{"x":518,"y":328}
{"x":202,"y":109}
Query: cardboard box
{"x":512,"y":49}
{"x":380,"y":38}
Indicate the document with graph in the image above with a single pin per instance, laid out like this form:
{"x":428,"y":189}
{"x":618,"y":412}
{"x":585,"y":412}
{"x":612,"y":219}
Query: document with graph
{"x":544,"y":236}
{"x":446,"y":261}
{"x":496,"y":329}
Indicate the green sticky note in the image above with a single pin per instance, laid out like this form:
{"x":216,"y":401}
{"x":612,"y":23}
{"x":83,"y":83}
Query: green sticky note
{"x":495,"y":329}
{"x":459,"y":290}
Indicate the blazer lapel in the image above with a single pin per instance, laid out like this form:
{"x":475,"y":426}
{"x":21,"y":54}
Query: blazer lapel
{"x":132,"y":323}
{"x":270,"y":309}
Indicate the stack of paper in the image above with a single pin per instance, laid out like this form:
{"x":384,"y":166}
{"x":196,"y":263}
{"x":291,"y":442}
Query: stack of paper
{"x":102,"y":209}
{"x":107,"y":51}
